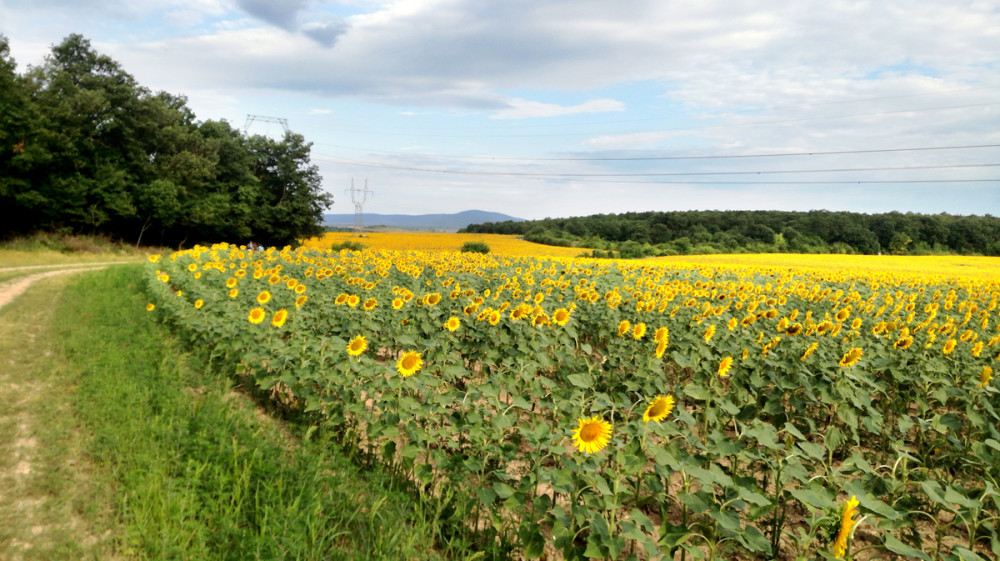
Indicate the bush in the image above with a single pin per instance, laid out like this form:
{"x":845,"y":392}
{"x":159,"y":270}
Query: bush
{"x":474,"y":247}
{"x":348,"y":245}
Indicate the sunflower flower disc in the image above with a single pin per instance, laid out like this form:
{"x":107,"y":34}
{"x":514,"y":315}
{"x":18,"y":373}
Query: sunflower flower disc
{"x":591,"y":435}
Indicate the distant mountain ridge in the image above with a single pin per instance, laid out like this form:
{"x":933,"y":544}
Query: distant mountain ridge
{"x":438,"y":222}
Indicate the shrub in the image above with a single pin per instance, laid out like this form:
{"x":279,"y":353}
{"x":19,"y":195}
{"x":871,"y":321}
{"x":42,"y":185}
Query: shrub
{"x":474,"y":247}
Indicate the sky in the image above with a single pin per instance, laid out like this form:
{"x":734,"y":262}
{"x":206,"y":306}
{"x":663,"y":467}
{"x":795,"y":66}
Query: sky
{"x":556,"y":108}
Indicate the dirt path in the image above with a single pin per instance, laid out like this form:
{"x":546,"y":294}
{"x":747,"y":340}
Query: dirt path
{"x":44,"y":475}
{"x":13,"y":288}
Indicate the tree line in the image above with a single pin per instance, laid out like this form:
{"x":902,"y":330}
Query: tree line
{"x":85,"y":149}
{"x":638,"y":234}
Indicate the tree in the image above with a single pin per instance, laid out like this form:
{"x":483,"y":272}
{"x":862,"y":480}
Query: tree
{"x":16,"y":120}
{"x":290,"y":201}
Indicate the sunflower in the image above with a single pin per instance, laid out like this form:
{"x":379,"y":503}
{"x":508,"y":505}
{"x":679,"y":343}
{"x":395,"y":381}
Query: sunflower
{"x":494,"y":317}
{"x":725,"y":365}
{"x":341,"y":299}
{"x":432,"y":299}
{"x":540,"y":319}
{"x":369,"y":304}
{"x":624,"y":327}
{"x":409,"y":363}
{"x":300,"y":288}
{"x":560,"y":316}
{"x":291,"y":284}
{"x":709,"y":333}
{"x":661,"y":347}
{"x":977,"y":349}
{"x":856,"y":324}
{"x":843,"y":314}
{"x":847,"y":523}
{"x":591,"y":435}
{"x":353,"y":300}
{"x":231,"y":282}
{"x":659,"y":409}
{"x":639,"y":331}
{"x":357,"y":345}
{"x":851,"y":357}
{"x":154,"y":258}
{"x":256,"y":315}
{"x":397,"y":303}
{"x":809,"y":351}
{"x":301,"y":300}
{"x":198,"y":304}
{"x":903,"y":343}
{"x":985,"y":376}
{"x":662,"y":334}
{"x":151,"y":306}
{"x":794,"y":329}
{"x":264,"y":297}
{"x":192,"y":267}
{"x":949,"y":346}
{"x":452,"y":324}
{"x":279,"y":317}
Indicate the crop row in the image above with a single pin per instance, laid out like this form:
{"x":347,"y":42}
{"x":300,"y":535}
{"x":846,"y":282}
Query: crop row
{"x":612,"y":409}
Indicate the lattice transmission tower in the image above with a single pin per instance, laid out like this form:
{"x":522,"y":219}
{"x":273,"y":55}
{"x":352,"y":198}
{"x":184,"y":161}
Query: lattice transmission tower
{"x":251,"y":119}
{"x":358,"y":197}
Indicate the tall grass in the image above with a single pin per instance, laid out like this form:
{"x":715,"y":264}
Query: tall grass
{"x":198,"y":471}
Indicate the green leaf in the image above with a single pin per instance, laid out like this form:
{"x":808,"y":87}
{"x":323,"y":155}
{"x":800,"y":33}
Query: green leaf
{"x":755,"y":540}
{"x":642,"y":520}
{"x":698,"y":502}
{"x":900,"y":548}
{"x":812,"y":449}
{"x":503,"y":490}
{"x":580,"y":380}
{"x":815,"y":498}
{"x":966,"y":554}
{"x":697,"y":391}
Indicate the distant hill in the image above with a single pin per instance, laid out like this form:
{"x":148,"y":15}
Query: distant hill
{"x":434,"y":222}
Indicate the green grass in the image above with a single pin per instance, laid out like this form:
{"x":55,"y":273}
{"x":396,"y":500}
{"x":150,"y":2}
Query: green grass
{"x":51,"y":506}
{"x":190,"y":469}
{"x":54,"y":249}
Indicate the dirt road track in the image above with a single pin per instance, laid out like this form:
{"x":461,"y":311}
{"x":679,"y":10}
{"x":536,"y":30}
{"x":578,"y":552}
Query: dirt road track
{"x":13,"y":288}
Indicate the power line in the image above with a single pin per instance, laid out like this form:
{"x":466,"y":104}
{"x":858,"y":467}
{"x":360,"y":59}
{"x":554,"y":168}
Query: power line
{"x":700,"y":173}
{"x":698,"y":157}
{"x":681,"y":129}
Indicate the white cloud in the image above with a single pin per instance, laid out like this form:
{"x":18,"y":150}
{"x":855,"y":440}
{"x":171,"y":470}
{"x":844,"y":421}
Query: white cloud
{"x":523,"y":109}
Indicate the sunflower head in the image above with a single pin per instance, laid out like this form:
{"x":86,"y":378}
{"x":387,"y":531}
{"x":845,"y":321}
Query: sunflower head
{"x":264,"y":297}
{"x":256,"y":315}
{"x":151,"y":306}
{"x":279,"y":318}
{"x":624,"y":327}
{"x":591,"y":435}
{"x":639,"y":331}
{"x":560,"y":316}
{"x":658,"y":409}
{"x":409,"y":363}
{"x":851,"y":357}
{"x":357,"y":345}
{"x":452,"y":324}
{"x":725,"y":365}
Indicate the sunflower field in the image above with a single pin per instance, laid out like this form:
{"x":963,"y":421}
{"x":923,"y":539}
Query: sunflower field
{"x":580,"y":409}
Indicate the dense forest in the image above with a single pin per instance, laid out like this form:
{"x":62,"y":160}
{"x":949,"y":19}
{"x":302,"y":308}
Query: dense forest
{"x":693,"y":232}
{"x":84,"y":149}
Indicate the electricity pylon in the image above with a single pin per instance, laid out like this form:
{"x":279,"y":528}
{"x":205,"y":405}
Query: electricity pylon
{"x":251,"y":119}
{"x":358,"y":197}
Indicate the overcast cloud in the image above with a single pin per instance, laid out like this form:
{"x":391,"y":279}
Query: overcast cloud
{"x":446,"y":105}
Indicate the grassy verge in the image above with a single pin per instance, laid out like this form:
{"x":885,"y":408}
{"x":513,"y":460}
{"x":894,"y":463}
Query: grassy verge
{"x":51,"y":507}
{"x":197,"y":471}
{"x":55,"y":249}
